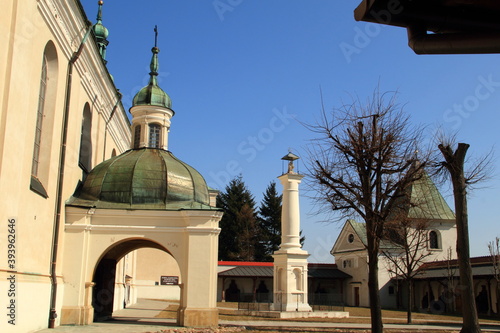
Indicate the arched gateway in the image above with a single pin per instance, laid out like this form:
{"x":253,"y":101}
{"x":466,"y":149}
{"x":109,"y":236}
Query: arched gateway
{"x":145,"y":197}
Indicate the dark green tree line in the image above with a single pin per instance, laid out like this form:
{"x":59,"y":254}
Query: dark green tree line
{"x":248,"y":234}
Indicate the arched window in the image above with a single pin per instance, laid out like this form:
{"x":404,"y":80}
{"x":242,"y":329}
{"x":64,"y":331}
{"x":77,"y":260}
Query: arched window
{"x":113,"y":153}
{"x":154,"y":136}
{"x":85,"y":160}
{"x":434,"y":240}
{"x":44,"y":123}
{"x":39,"y":117}
{"x":137,"y":136}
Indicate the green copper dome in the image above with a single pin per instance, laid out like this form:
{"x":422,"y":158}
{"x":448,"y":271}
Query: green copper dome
{"x":152,"y":94}
{"x":100,"y":31}
{"x":146,"y":179}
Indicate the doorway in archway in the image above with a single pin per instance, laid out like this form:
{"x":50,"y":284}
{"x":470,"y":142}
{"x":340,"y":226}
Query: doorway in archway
{"x":133,"y":269}
{"x":104,"y":289}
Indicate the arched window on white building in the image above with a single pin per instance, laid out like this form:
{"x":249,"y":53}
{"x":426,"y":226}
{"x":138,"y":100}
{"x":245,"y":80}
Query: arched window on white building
{"x":44,"y":124}
{"x":137,"y":136}
{"x":434,"y":242}
{"x":85,"y":160}
{"x":154,"y":135}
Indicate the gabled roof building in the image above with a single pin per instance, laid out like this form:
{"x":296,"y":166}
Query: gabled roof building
{"x":421,"y":202}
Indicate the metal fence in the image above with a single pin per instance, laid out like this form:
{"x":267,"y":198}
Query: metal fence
{"x":264,"y":302}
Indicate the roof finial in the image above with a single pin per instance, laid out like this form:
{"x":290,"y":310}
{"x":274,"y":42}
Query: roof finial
{"x":101,"y":33}
{"x":152,"y":94}
{"x":154,"y":66}
{"x":99,"y":12}
{"x":156,"y":36}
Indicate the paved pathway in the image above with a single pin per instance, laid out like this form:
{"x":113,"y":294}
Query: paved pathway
{"x":140,"y":318}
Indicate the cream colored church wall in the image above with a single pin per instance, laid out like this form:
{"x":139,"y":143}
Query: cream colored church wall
{"x":5,"y":52}
{"x":388,"y":300}
{"x":447,"y":239}
{"x":151,"y":265}
{"x":356,"y":266}
{"x":352,"y":259}
{"x":18,"y":119}
{"x":354,"y":255}
{"x":26,"y":318}
{"x":125,"y":288}
{"x":176,"y":230}
{"x":27,"y":35}
{"x":25,"y":29}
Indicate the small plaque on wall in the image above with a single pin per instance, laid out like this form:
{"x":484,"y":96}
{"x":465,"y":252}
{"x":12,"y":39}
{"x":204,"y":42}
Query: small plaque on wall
{"x":169,"y":280}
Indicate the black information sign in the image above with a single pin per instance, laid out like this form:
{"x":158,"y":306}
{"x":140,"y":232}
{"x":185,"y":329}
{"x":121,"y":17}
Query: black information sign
{"x":169,"y":280}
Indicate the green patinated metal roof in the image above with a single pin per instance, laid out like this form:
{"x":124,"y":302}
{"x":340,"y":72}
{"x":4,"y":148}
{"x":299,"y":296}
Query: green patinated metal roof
{"x":143,"y":179}
{"x":100,"y":30}
{"x":152,"y":94}
{"x":422,"y":201}
{"x":101,"y":33}
{"x":360,"y":230}
{"x":425,"y":201}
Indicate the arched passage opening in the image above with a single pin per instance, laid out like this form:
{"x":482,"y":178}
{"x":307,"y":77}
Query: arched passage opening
{"x":118,"y":281}
{"x":96,"y":239}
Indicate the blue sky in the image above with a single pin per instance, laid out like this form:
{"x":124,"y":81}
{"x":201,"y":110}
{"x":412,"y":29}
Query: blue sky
{"x":243,"y":75}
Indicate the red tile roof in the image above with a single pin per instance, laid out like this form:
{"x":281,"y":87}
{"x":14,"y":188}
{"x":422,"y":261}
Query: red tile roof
{"x":270,"y":264}
{"x":246,"y":263}
{"x":485,"y":260}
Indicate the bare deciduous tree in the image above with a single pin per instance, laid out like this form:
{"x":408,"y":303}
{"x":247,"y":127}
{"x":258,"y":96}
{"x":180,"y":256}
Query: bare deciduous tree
{"x":363,"y":157}
{"x":494,"y":249}
{"x":454,"y":165}
{"x":408,"y":253}
{"x":450,"y":277}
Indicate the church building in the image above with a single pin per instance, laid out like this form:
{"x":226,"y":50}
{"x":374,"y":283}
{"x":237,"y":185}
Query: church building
{"x":83,"y":188}
{"x":431,"y":224}
{"x":431,"y":238}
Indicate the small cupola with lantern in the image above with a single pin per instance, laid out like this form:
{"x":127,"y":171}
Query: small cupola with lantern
{"x":151,"y":110}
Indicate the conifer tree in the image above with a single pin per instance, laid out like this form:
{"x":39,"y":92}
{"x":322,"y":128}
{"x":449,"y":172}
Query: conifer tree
{"x":270,"y":222}
{"x":238,"y":222}
{"x":248,"y":235}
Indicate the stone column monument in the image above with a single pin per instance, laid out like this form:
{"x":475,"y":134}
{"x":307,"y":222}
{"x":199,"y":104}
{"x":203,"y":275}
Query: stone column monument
{"x":290,"y":261}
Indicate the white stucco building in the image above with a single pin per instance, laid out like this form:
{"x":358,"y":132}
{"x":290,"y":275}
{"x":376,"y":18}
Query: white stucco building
{"x":428,"y":206}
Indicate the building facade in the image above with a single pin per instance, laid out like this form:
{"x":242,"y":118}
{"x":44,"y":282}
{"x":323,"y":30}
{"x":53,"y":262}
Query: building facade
{"x":83,"y":189}
{"x":60,"y":115}
{"x":427,"y":208}
{"x":252,"y":282}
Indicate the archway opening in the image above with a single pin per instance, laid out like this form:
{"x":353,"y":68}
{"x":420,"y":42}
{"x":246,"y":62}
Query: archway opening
{"x":130,"y":270}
